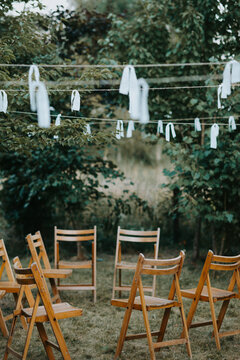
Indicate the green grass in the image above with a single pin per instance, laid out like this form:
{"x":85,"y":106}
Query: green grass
{"x":94,"y":335}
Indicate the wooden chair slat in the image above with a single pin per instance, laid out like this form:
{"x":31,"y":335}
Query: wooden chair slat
{"x":224,"y":267}
{"x":168,"y":271}
{"x":73,"y":232}
{"x":138,"y":233}
{"x":225,"y":259}
{"x":137,"y":239}
{"x":75,"y":238}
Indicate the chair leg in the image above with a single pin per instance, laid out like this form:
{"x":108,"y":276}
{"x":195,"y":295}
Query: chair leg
{"x":3,"y":326}
{"x":163,"y":325}
{"x":123,"y":332}
{"x":120,"y":281}
{"x":10,"y":338}
{"x":185,"y":330}
{"x":222,"y":313}
{"x":214,"y":320}
{"x":44,"y":338}
{"x":148,"y":331}
{"x":60,"y":339}
{"x":23,"y":320}
{"x":55,"y":290}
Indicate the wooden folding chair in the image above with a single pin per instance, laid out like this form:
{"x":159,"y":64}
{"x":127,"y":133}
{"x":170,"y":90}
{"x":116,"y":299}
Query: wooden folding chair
{"x":39,"y":256}
{"x":7,"y":285}
{"x":147,"y":303}
{"x":38,"y":315}
{"x":132,"y":236}
{"x":210,"y":294}
{"x":76,"y":236}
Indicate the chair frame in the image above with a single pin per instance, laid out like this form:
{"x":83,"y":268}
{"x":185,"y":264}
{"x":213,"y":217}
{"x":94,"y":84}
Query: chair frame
{"x":61,"y":235}
{"x":147,"y":303}
{"x":35,"y":241}
{"x":132,"y":236}
{"x":9,"y":286}
{"x":207,"y":293}
{"x":36,"y":314}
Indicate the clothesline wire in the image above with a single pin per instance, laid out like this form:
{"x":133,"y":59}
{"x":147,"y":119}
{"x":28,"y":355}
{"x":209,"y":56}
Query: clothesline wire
{"x":109,"y":90}
{"x":125,"y":120}
{"x":116,"y":65}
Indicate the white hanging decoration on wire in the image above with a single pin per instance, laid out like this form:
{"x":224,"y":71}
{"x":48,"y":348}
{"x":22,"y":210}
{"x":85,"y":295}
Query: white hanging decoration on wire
{"x":197,"y":124}
{"x":170,"y":127}
{"x":231,"y":123}
{"x":219,"y":92}
{"x":3,"y":101}
{"x":231,"y":75}
{"x":40,"y":103}
{"x":33,"y":72}
{"x":119,"y":130}
{"x":143,"y":101}
{"x":213,"y":135}
{"x":58,"y":120}
{"x":160,"y":127}
{"x":129,"y":86}
{"x":130,"y":129}
{"x":75,"y":101}
{"x":87,"y":130}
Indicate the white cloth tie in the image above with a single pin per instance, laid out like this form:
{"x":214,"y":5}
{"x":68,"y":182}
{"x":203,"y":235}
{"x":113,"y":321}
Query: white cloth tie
{"x":130,"y":129}
{"x":58,"y":120}
{"x":33,"y":72}
{"x":75,"y":101}
{"x":214,"y":135}
{"x":219,"y":96}
{"x":231,"y":123}
{"x":231,"y":75}
{"x":119,"y":130}
{"x":197,"y":124}
{"x":129,"y":86}
{"x":3,"y":101}
{"x":40,"y":103}
{"x":160,"y":127}
{"x":143,"y":101}
{"x":87,"y":130}
{"x":167,"y":133}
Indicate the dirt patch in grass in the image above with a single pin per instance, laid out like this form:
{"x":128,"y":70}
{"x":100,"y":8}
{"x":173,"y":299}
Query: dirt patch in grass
{"x":94,"y":335}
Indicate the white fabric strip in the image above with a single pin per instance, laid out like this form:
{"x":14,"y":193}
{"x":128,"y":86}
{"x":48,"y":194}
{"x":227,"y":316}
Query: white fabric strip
{"x":143,"y":101}
{"x":58,"y":120}
{"x":231,"y":123}
{"x":33,"y":78}
{"x":87,"y":130}
{"x":3,"y":101}
{"x":119,"y":130}
{"x":235,"y":76}
{"x":197,"y":124}
{"x":214,"y":134}
{"x":130,"y":129}
{"x":75,"y":101}
{"x":41,"y":104}
{"x":219,"y":92}
{"x":159,"y":127}
{"x":129,"y":85}
{"x":167,"y":132}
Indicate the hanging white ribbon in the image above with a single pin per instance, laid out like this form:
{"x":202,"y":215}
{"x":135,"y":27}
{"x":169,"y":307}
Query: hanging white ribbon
{"x":231,"y":123}
{"x":213,"y":135}
{"x":33,"y":72}
{"x":58,"y":120}
{"x":130,"y":129}
{"x":143,"y":101}
{"x":197,"y":124}
{"x":3,"y":101}
{"x":87,"y":130}
{"x":231,"y":75}
{"x":40,"y":103}
{"x":75,"y":101}
{"x":219,"y":96}
{"x":129,"y":85}
{"x":119,"y":129}
{"x":160,"y":127}
{"x":167,"y":131}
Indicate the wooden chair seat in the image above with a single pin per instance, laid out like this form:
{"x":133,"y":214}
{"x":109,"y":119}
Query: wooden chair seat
{"x":217,"y":294}
{"x":9,"y":286}
{"x":87,"y":264}
{"x":152,"y":303}
{"x":61,"y":311}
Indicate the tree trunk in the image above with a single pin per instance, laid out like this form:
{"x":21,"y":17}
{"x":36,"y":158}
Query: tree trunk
{"x":197,"y":238}
{"x":176,"y":231}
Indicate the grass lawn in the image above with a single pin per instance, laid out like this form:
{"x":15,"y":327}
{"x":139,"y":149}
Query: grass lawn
{"x":94,"y":335}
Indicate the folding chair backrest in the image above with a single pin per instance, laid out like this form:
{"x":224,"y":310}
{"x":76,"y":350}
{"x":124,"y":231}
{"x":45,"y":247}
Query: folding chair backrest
{"x":17,"y":265}
{"x":38,"y":250}
{"x":5,"y":263}
{"x":61,"y":235}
